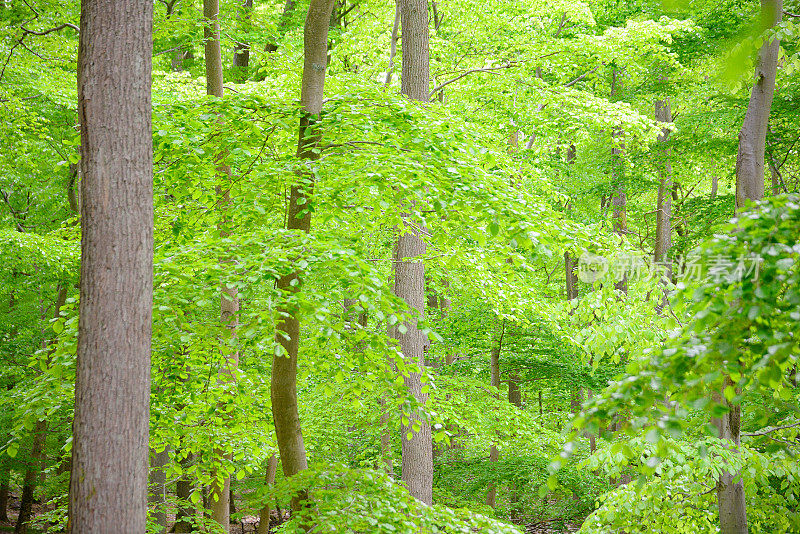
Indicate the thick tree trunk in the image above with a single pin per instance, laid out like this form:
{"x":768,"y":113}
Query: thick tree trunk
{"x":417,"y":452}
{"x":749,"y":186}
{"x":284,"y":367}
{"x":730,"y":493}
{"x":158,"y":488}
{"x":753,"y":135}
{"x":494,"y":368}
{"x":108,"y":484}
{"x":269,"y":480}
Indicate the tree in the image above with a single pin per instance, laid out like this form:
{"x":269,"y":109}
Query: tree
{"x":409,"y":272}
{"x":229,"y":295}
{"x":108,"y":485}
{"x":749,"y":187}
{"x":284,"y":365}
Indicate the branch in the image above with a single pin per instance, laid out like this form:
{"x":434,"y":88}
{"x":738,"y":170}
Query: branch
{"x":791,"y":15}
{"x":51,"y":30}
{"x":467,"y":73}
{"x":581,"y":77}
{"x":770,"y":430}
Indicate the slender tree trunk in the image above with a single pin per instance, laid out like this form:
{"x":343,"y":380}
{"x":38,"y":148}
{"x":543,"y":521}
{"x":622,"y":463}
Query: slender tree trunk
{"x":158,"y":488}
{"x":241,"y":53}
{"x":494,"y":367}
{"x":663,"y":241}
{"x":108,"y":483}
{"x":5,"y":477}
{"x":619,"y":196}
{"x":417,"y":452}
{"x":284,"y":367}
{"x":664,"y":208}
{"x":31,"y":473}
{"x":269,"y":480}
{"x":183,"y":491}
{"x":288,"y":11}
{"x":393,"y":44}
{"x":753,"y":135}
{"x":229,"y":299}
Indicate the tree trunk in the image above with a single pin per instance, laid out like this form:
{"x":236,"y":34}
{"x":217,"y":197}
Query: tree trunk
{"x":158,"y":488}
{"x":393,"y":44}
{"x":284,"y":367}
{"x":229,"y":299}
{"x":108,"y":483}
{"x":663,"y":241}
{"x":183,"y":491}
{"x":753,"y":135}
{"x":241,"y":53}
{"x":417,"y":452}
{"x":5,"y":477}
{"x":494,"y":367}
{"x":288,"y":11}
{"x":664,"y":207}
{"x":749,"y":186}
{"x":619,"y":196}
{"x":269,"y":480}
{"x":32,"y":471}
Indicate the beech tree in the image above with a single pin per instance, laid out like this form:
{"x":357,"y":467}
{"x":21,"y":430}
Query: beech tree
{"x":108,"y":486}
{"x":409,"y":273}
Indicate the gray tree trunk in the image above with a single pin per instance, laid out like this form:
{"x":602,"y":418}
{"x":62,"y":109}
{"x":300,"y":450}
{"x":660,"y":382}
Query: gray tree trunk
{"x":229,"y":299}
{"x":284,"y":368}
{"x":753,"y":135}
{"x":619,"y":197}
{"x":417,"y":452}
{"x":108,"y":483}
{"x":749,"y":186}
{"x":158,"y":488}
{"x":494,"y":368}
{"x":269,"y":480}
{"x":241,"y":53}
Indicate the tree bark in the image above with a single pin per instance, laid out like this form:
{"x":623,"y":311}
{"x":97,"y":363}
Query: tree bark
{"x":29,"y":483}
{"x":494,"y":368}
{"x":108,"y":483}
{"x":269,"y":480}
{"x":753,"y":135}
{"x":619,"y":196}
{"x":393,"y":44}
{"x":183,"y":491}
{"x":284,"y":367}
{"x":241,"y":53}
{"x":229,"y":299}
{"x":158,"y":488}
{"x":5,"y":476}
{"x":417,"y":452}
{"x":664,"y":207}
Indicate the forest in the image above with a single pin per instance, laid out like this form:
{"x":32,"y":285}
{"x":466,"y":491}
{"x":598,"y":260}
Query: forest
{"x":399,"y":266}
